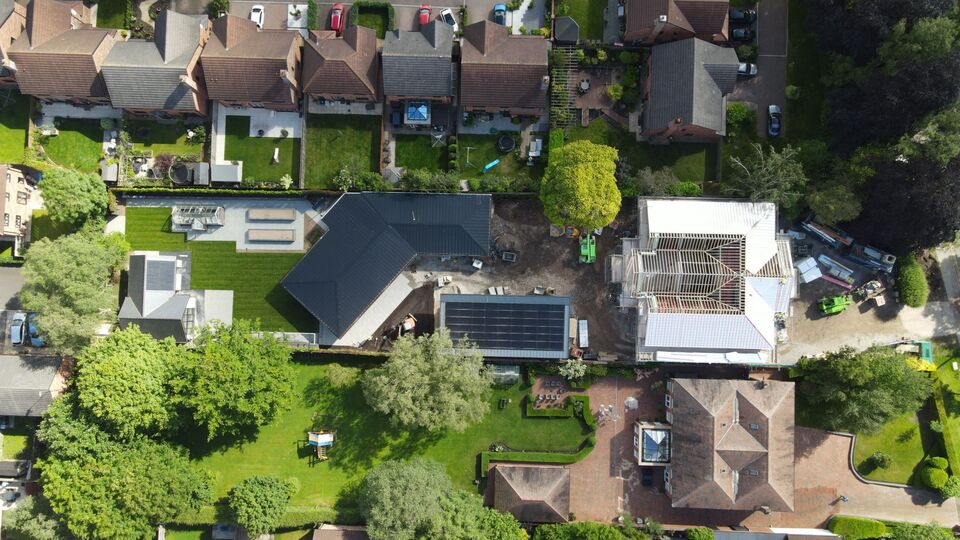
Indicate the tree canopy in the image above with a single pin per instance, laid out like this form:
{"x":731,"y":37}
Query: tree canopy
{"x":258,"y":503}
{"x":33,"y":519}
{"x":859,"y":391}
{"x":232,"y":381}
{"x":428,"y":383}
{"x":67,"y":282}
{"x":401,"y":501}
{"x":464,"y":517}
{"x":579,"y":186}
{"x":772,"y":176}
{"x":72,"y":196}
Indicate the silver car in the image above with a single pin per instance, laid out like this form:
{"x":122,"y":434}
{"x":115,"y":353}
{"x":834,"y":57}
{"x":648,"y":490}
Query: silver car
{"x":18,"y":328}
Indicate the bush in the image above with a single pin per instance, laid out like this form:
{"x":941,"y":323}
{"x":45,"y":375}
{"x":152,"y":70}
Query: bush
{"x":216,"y":6}
{"x":556,"y":139}
{"x":951,"y":488}
{"x":881,"y":460}
{"x":313,"y":22}
{"x":792,"y":92}
{"x":464,"y":16}
{"x":938,"y":462}
{"x":854,"y":528}
{"x":739,"y":113}
{"x":627,"y":57}
{"x":747,"y":53}
{"x":685,"y":189}
{"x":615,"y":92}
{"x":699,"y":533}
{"x":912,"y":282}
{"x":933,"y":478}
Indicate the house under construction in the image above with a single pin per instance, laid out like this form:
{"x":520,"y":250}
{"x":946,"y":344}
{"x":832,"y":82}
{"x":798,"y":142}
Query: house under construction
{"x":710,"y":279}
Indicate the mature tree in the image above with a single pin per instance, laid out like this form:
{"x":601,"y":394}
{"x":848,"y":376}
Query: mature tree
{"x":579,"y":187}
{"x":72,"y":196}
{"x":428,"y":383}
{"x":772,"y":176}
{"x":834,"y":203}
{"x":587,"y":530}
{"x":402,"y":501}
{"x":936,"y":137}
{"x":67,"y":281}
{"x":927,"y":39}
{"x":259,"y":502}
{"x":910,"y":206}
{"x":233,"y":380}
{"x":117,"y":248}
{"x":122,"y":381}
{"x":573,"y":369}
{"x":464,"y":517}
{"x":33,"y":519}
{"x":860,"y":391}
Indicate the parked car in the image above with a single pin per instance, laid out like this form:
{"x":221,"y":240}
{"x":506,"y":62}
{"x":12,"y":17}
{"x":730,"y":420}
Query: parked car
{"x":336,"y":18}
{"x":423,"y":14}
{"x":256,"y":15}
{"x":747,"y":69}
{"x":18,"y":327}
{"x":447,"y":16}
{"x":500,"y":14}
{"x":36,"y":340}
{"x":741,"y":34}
{"x":743,"y":16}
{"x":774,"y":120}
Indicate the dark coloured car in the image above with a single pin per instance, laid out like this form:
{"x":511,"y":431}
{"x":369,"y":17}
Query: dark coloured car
{"x":746,"y":69}
{"x":743,"y":16}
{"x":500,"y":14}
{"x":741,"y":34}
{"x":774,"y":120}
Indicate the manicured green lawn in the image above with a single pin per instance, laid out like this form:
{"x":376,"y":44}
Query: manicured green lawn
{"x":804,"y":118}
{"x":161,"y":138}
{"x":418,"y":152}
{"x":41,"y":226}
{"x":254,"y":278}
{"x":334,"y":141}
{"x":112,"y":13}
{"x":483,"y":150}
{"x":950,"y":390}
{"x":256,"y":153}
{"x":16,"y":440}
{"x":587,"y":13}
{"x":689,"y":161}
{"x":365,"y":438}
{"x":906,"y":441}
{"x":13,"y":125}
{"x":375,"y":18}
{"x":78,"y":146}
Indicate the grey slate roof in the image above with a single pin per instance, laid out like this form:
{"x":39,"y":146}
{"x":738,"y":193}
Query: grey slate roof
{"x":25,"y":383}
{"x":567,"y":30}
{"x":371,"y":238}
{"x":419,"y":64}
{"x":689,"y":81}
{"x":147,"y":74}
{"x":165,"y":320}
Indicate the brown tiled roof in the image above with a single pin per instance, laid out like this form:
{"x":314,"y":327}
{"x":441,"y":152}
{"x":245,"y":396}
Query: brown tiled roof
{"x":243,"y":63}
{"x":533,"y":494}
{"x":340,"y":532}
{"x":732,"y":444}
{"x":518,"y":64}
{"x":49,"y":18}
{"x":701,"y":17}
{"x":346,"y":65}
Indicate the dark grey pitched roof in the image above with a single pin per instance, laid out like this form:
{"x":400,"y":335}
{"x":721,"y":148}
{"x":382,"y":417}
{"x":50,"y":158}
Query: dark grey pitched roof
{"x":164,"y":320}
{"x":135,"y":282}
{"x":25,"y":383}
{"x":419,"y":63}
{"x":371,"y":238}
{"x":567,"y":30}
{"x":689,"y":81}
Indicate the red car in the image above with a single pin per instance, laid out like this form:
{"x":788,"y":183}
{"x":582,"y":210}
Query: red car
{"x":424,"y":14}
{"x":336,"y":18}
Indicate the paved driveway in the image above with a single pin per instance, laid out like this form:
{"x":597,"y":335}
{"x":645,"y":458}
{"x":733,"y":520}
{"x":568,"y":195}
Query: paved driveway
{"x":767,"y":87}
{"x":11,"y":281}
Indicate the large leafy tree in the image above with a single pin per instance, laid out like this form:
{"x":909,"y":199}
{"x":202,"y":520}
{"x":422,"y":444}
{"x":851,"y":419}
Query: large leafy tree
{"x":579,"y":187}
{"x":33,"y":519}
{"x":860,"y":391}
{"x":587,"y":530}
{"x":402,"y":500}
{"x":233,"y":380}
{"x":258,"y":503}
{"x":428,"y":383}
{"x":72,"y":196}
{"x":771,"y":175}
{"x":122,"y":381}
{"x":464,"y":517}
{"x":936,"y":137}
{"x":67,"y":281}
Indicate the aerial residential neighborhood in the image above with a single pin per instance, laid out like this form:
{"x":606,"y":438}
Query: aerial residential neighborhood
{"x":479,"y":270}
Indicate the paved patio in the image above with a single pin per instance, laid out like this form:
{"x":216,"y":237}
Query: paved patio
{"x":271,"y":122}
{"x":65,"y":110}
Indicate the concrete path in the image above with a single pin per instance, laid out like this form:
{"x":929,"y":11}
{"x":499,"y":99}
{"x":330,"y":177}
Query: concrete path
{"x":65,"y":110}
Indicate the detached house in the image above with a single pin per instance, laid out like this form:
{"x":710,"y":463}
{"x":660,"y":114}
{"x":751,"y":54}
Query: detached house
{"x":13,"y":20}
{"x":59,"y":55}
{"x":688,"y":82}
{"x":342,"y":68}
{"x":660,"y":21}
{"x":245,"y":66}
{"x":500,"y":72}
{"x":418,"y":71}
{"x":162,"y":75}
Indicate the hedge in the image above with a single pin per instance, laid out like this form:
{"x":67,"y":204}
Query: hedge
{"x":855,"y":528}
{"x":313,"y":21}
{"x":556,"y":139}
{"x":938,"y":462}
{"x":933,"y":478}
{"x":368,"y":5}
{"x":537,"y":457}
{"x":950,"y":442}
{"x":547,"y":412}
{"x":699,"y":533}
{"x":187,"y":191}
{"x":587,"y":416}
{"x":912,"y":282}
{"x":293,"y":518}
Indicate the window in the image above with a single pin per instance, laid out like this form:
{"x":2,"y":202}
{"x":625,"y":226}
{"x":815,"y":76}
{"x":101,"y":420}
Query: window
{"x":668,"y":401}
{"x":18,"y":221}
{"x":22,"y":197}
{"x":6,"y":220}
{"x":753,"y":472}
{"x":8,"y":195}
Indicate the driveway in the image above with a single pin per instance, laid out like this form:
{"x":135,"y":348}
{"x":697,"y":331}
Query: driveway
{"x":11,"y":281}
{"x":767,"y":87}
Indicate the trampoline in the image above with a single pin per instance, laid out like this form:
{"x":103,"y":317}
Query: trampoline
{"x":505,"y":144}
{"x":180,"y":174}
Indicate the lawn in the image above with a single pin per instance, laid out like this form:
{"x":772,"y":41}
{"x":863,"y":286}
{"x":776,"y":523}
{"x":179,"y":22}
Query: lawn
{"x":254,"y":278}
{"x":337,"y":140}
{"x":161,"y":138}
{"x":907,"y":440}
{"x":587,"y":13}
{"x":372,"y":17}
{"x":79,"y":144}
{"x":804,"y":116}
{"x":13,"y":126}
{"x":112,"y":13}
{"x":418,"y":152}
{"x":483,"y":150}
{"x":41,"y":226}
{"x":16,"y":440}
{"x":206,"y":534}
{"x":256,"y":153}
{"x":691,"y":162}
{"x":365,"y":438}
{"x":948,"y":388}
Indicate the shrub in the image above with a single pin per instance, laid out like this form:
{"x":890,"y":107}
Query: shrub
{"x":685,"y":189}
{"x":739,"y":113}
{"x":216,"y":6}
{"x":881,"y":460}
{"x":556,"y":139}
{"x":792,"y":92}
{"x":854,"y":528}
{"x":747,"y":53}
{"x":699,"y":533}
{"x":313,"y":22}
{"x":933,"y":478}
{"x":912,"y":282}
{"x":464,"y":16}
{"x":938,"y":462}
{"x":615,"y":92}
{"x":951,"y":488}
{"x":627,"y":57}
{"x":935,"y":425}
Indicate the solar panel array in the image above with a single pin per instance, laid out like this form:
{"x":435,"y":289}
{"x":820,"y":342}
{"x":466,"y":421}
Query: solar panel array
{"x":516,"y":326}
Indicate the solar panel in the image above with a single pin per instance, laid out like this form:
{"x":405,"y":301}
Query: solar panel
{"x":517,"y":325}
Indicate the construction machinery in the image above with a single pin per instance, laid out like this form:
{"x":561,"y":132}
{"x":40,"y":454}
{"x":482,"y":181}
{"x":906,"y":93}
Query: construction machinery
{"x":831,"y":305}
{"x":588,"y":249}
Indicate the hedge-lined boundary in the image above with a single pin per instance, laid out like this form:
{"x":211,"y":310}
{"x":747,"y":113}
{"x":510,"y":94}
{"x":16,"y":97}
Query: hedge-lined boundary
{"x":361,"y":5}
{"x":950,"y":441}
{"x":294,"y":518}
{"x":548,"y":412}
{"x":537,"y":457}
{"x":856,"y":528}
